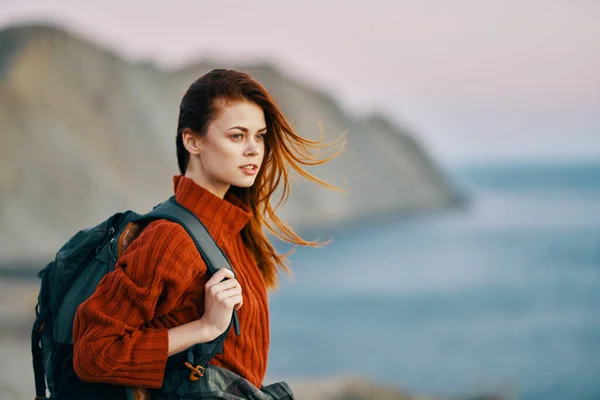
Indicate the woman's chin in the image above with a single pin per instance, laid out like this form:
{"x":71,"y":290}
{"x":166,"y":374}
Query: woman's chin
{"x":244,"y":183}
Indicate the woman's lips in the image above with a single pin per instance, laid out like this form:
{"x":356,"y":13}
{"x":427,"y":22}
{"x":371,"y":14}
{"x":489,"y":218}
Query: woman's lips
{"x":250,"y":169}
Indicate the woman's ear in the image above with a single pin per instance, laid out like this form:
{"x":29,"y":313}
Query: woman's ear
{"x":191,"y":141}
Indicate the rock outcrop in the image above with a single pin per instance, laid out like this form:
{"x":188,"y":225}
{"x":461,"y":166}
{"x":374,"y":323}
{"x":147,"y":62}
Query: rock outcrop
{"x":83,"y":134}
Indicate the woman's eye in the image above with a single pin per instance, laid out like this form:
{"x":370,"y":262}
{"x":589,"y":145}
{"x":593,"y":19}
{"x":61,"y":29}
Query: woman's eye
{"x":261,"y":136}
{"x":237,"y":136}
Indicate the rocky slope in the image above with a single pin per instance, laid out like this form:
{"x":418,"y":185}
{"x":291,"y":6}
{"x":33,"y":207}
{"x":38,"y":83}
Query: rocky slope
{"x":84,"y":133}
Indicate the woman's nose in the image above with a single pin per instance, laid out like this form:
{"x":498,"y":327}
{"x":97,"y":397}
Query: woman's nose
{"x":252,"y":149}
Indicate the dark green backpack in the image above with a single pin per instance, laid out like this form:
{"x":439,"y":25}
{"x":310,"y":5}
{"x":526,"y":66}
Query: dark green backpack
{"x":71,"y":279}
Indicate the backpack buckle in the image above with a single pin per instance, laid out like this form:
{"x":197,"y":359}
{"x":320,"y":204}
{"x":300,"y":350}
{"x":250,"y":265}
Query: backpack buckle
{"x":197,"y":371}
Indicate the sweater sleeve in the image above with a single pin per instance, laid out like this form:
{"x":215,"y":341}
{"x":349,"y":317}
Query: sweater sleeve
{"x":111,"y":341}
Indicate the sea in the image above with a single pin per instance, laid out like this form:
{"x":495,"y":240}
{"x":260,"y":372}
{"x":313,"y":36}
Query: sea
{"x":500,"y":296}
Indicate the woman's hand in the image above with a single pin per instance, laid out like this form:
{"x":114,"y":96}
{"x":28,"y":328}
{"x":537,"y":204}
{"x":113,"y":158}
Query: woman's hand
{"x":223,"y":294}
{"x":220,"y":299}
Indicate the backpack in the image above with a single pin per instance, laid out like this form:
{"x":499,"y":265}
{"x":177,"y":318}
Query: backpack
{"x":72,"y":277}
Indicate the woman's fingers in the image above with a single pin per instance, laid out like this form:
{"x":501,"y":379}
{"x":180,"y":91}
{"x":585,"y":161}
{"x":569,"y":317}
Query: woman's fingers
{"x":218,"y":276}
{"x":225,"y":294}
{"x":225,"y":288}
{"x":235,"y":302}
{"x":222,"y":279}
{"x":225,"y":285}
{"x":239,"y":303}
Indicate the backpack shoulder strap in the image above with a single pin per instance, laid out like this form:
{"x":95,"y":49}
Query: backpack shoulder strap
{"x":213,"y":256}
{"x":211,"y":253}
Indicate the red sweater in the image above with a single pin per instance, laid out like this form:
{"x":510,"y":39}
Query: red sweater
{"x":120,"y":333}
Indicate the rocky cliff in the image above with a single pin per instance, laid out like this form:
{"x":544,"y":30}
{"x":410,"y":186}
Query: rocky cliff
{"x":84,"y":133}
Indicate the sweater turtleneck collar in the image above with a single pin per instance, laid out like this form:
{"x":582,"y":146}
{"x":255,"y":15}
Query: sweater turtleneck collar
{"x":220,"y":216}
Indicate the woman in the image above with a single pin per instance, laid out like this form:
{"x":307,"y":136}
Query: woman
{"x":233,"y":149}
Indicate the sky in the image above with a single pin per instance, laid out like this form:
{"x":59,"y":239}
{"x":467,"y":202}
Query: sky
{"x":472,"y":79}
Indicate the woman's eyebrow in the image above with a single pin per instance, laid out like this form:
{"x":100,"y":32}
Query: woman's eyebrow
{"x":245,"y":130}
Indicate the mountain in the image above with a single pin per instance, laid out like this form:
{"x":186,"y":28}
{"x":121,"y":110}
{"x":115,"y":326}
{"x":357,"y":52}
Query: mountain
{"x":84,"y":133}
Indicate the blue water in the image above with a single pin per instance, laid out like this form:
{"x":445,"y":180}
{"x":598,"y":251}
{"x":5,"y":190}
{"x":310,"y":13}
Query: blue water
{"x":502,"y":296}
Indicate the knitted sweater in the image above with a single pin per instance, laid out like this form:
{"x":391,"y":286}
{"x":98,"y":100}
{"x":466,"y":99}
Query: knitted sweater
{"x":120,"y":333}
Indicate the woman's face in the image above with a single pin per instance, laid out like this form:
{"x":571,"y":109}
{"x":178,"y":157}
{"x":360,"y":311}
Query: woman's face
{"x":232,"y":151}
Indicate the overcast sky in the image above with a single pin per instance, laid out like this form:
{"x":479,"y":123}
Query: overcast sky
{"x":475,"y":79}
